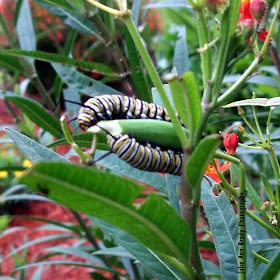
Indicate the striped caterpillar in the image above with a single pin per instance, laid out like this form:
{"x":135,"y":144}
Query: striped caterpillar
{"x":109,"y":107}
{"x":145,"y":157}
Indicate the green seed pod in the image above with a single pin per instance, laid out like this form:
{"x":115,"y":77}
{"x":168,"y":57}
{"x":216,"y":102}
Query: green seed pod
{"x":155,"y":132}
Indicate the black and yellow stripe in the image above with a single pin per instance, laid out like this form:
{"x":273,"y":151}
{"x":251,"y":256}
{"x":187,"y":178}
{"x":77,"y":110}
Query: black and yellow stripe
{"x":145,"y":157}
{"x":110,"y":107}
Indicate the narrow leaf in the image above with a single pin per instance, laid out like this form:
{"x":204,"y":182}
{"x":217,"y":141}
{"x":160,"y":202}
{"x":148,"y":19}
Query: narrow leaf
{"x":62,"y":59}
{"x":224,"y":227}
{"x":120,"y":167}
{"x":263,"y":102}
{"x":33,"y":150}
{"x":25,"y":30}
{"x":273,"y":269}
{"x":81,"y":82}
{"x":147,"y":258}
{"x":72,"y":19}
{"x":111,"y":198}
{"x":194,"y":99}
{"x":36,"y":113}
{"x":10,"y":63}
{"x":181,"y":55}
{"x":200,"y":159}
{"x":78,"y":252}
{"x":84,"y":140}
{"x":137,"y":71}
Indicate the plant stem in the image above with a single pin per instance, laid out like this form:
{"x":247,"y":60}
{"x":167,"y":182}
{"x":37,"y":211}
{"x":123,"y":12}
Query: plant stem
{"x":154,"y":76}
{"x":69,"y":138}
{"x":42,"y":91}
{"x":254,"y":64}
{"x":260,"y":258}
{"x":263,"y":224}
{"x":258,"y":125}
{"x":203,"y":37}
{"x":90,"y":237}
{"x":105,"y":8}
{"x":7,"y":32}
{"x":242,"y":225}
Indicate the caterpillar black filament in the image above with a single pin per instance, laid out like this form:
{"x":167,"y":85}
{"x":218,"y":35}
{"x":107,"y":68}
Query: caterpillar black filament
{"x":145,"y":157}
{"x":110,"y":107}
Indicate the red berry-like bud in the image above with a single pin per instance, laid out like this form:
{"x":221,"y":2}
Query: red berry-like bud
{"x":257,"y":8}
{"x":231,"y":143}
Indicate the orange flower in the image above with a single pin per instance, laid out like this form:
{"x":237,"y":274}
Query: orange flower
{"x":212,"y":172}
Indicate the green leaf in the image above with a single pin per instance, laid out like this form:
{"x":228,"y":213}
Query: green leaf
{"x":181,"y":55}
{"x":193,"y":95}
{"x":79,"y":4}
{"x":33,"y":150}
{"x":81,"y":82}
{"x":111,"y":198}
{"x":273,"y":269}
{"x":251,"y":192}
{"x":207,"y":245}
{"x":10,"y":63}
{"x":77,"y":252}
{"x":120,"y":167}
{"x":224,"y":227}
{"x":72,"y":19}
{"x":137,"y":71}
{"x":40,"y":240}
{"x":211,"y":270}
{"x":200,"y":159}
{"x":187,"y":100}
{"x":115,"y":251}
{"x":181,"y":103}
{"x":83,"y":140}
{"x":147,"y":258}
{"x":25,"y":30}
{"x":263,"y":102}
{"x":268,"y":188}
{"x":173,"y":185}
{"x":62,"y":59}
{"x":36,"y":113}
{"x":59,"y":4}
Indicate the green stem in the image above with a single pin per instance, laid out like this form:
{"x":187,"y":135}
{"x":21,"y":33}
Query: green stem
{"x":260,"y":258}
{"x":179,"y":266}
{"x":254,"y":64}
{"x":69,"y":138}
{"x":276,"y":170}
{"x":42,"y":91}
{"x":203,"y":37}
{"x":263,"y":224}
{"x":225,"y":183}
{"x":7,"y":32}
{"x":154,"y":76}
{"x":90,"y":237}
{"x":267,"y":125}
{"x":258,"y":125}
{"x":242,"y":225}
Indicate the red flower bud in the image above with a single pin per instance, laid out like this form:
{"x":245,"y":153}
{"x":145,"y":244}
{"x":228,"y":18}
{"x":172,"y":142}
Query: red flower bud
{"x":231,"y":143}
{"x":257,"y":8}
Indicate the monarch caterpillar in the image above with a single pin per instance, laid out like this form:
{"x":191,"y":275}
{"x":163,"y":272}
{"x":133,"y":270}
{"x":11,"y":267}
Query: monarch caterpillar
{"x":145,"y":157}
{"x":109,"y":107}
{"x":263,"y":20}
